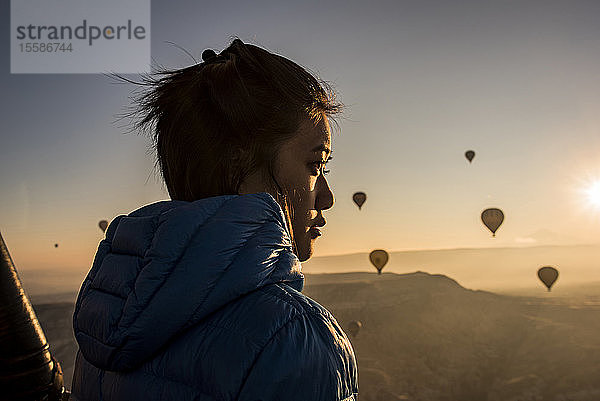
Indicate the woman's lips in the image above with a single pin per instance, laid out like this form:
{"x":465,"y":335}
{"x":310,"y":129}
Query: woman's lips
{"x":315,"y":232}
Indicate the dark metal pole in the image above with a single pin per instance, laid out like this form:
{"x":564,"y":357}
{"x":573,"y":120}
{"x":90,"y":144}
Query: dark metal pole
{"x":28,"y":372}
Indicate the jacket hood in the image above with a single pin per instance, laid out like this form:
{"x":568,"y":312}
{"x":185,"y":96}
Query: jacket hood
{"x":167,"y":265}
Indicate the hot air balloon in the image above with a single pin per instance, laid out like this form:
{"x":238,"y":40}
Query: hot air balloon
{"x":379,"y":258}
{"x":359,"y":198}
{"x":56,"y":245}
{"x":548,"y":275}
{"x":354,"y":327}
{"x":103,"y":224}
{"x":469,"y":154}
{"x":492,"y":218}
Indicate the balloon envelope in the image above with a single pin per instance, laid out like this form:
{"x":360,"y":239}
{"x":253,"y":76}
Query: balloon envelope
{"x":492,"y":218}
{"x":103,"y":224}
{"x":548,"y":276}
{"x":379,"y":258}
{"x":469,"y":154}
{"x":359,"y":198}
{"x":354,"y":327}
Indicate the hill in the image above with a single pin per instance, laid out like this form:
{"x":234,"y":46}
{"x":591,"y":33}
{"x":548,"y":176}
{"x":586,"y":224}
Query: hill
{"x":492,"y":269}
{"x":425,"y":337}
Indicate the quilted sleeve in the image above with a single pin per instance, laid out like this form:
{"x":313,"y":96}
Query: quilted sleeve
{"x":309,"y":358}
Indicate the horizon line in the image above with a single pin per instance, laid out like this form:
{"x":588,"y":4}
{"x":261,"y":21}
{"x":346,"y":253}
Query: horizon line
{"x":459,"y":249}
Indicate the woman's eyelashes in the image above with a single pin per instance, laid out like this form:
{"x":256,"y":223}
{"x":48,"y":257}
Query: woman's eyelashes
{"x":319,"y":165}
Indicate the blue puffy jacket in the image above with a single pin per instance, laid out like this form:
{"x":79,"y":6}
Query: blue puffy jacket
{"x":202,"y":301}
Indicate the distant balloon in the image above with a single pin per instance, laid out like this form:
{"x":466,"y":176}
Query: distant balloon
{"x":354,"y":327}
{"x":469,"y":154}
{"x":103,"y":224}
{"x":379,"y":258}
{"x":492,"y":218}
{"x":548,"y":276}
{"x":359,"y":198}
{"x":56,"y":245}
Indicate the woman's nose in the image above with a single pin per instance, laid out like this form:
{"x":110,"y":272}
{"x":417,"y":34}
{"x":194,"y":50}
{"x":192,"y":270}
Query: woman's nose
{"x":324,"y":199}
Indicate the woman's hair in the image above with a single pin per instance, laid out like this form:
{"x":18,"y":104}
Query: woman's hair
{"x":214,"y":123}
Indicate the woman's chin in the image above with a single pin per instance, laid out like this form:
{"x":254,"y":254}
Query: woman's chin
{"x":305,"y":250}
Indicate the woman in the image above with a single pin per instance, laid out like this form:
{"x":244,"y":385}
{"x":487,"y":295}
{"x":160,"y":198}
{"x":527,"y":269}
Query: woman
{"x":199,"y":298}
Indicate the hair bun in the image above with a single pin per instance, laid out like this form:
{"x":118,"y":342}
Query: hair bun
{"x":208,"y":54}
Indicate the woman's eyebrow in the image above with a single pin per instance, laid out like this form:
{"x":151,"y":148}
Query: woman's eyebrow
{"x":322,"y":148}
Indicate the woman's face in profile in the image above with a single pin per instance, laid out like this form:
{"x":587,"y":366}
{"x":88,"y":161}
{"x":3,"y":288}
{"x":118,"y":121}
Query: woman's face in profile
{"x":300,"y":172}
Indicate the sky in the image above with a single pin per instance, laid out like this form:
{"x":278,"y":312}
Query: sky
{"x":423,"y":81}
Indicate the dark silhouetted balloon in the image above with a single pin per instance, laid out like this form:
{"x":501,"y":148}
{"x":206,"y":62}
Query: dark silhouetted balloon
{"x":379,"y":258}
{"x":359,"y":198}
{"x":56,"y":245}
{"x":354,"y":327}
{"x":469,"y":154}
{"x":103,"y":224}
{"x":548,"y":276}
{"x":492,"y":218}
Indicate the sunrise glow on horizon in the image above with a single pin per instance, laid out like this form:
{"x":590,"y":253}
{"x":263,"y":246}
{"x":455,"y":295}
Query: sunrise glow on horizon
{"x":519,"y":87}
